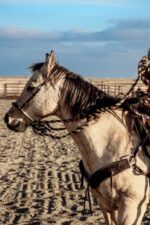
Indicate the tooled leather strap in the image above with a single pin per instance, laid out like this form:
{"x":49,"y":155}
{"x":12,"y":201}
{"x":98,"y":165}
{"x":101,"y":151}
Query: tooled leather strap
{"x":100,"y":175}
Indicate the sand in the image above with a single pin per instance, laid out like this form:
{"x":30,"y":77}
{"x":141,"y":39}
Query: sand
{"x":40,"y":180}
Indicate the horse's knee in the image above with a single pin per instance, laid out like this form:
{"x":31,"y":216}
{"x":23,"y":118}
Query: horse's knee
{"x":130,"y":212}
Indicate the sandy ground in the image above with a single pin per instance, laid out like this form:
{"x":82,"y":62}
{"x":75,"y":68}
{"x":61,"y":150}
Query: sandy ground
{"x":40,"y":181}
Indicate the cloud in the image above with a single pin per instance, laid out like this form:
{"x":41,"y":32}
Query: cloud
{"x":19,"y":33}
{"x":114,"y":51}
{"x":122,"y":31}
{"x":70,"y":2}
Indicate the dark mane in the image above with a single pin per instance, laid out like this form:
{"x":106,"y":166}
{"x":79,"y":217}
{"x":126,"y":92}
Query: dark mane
{"x":82,"y":98}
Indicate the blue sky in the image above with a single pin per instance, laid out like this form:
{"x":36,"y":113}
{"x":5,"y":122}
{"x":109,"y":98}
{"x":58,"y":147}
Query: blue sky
{"x":95,"y":38}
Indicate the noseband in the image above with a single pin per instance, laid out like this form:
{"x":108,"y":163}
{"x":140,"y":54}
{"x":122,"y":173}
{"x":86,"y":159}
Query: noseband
{"x":22,"y":111}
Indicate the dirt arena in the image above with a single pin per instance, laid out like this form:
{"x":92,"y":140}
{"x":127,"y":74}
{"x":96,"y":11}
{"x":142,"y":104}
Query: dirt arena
{"x":40,"y":181}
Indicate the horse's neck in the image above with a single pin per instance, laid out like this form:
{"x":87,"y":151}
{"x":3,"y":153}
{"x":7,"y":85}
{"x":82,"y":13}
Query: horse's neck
{"x":105,"y":140}
{"x":102,"y":141}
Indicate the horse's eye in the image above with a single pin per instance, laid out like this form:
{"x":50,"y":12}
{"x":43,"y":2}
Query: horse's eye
{"x":30,"y":88}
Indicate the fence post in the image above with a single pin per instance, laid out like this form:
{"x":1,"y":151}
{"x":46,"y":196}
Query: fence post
{"x":5,"y":90}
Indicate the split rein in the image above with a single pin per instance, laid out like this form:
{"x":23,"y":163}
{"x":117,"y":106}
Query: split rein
{"x":45,"y":128}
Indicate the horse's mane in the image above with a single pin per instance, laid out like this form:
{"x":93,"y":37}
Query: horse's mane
{"x":82,"y":98}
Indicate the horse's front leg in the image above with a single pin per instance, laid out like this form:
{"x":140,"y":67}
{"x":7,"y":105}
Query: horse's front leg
{"x":110,"y":215}
{"x":110,"y":218}
{"x":131,"y":212}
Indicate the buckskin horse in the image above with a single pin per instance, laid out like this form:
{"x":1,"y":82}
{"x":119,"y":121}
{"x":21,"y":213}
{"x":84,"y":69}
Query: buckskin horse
{"x":115,"y":157}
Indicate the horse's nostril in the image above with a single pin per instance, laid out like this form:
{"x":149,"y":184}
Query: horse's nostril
{"x":15,"y":124}
{"x":18,"y":124}
{"x":6,"y":118}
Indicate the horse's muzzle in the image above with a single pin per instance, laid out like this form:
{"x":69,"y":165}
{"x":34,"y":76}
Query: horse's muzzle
{"x":14,"y":124}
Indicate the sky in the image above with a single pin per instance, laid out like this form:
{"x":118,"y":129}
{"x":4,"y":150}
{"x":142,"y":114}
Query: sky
{"x":93,"y":38}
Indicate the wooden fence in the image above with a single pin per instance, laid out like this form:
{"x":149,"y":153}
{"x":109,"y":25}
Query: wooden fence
{"x":12,"y":89}
{"x":116,"y":86}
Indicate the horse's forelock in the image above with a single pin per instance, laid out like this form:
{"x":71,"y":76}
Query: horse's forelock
{"x":36,"y":66}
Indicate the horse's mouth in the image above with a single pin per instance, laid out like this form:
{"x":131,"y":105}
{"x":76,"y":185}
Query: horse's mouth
{"x":16,"y":129}
{"x":16,"y":126}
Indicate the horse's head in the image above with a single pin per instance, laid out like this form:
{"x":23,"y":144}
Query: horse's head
{"x":39,"y":98}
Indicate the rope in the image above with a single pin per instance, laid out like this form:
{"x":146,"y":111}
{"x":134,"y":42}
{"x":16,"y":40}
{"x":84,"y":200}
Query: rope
{"x":144,"y":70}
{"x":44,"y":128}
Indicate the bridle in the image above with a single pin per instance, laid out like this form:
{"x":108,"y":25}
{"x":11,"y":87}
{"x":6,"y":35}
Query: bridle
{"x":34,"y":93}
{"x":20,"y":108}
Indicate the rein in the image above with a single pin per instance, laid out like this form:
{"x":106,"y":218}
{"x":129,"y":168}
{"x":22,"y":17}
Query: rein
{"x":44,"y":127}
{"x":36,"y":125}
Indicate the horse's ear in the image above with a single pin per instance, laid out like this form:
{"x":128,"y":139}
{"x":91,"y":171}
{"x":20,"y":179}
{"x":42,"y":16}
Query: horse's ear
{"x":49,"y":63}
{"x":51,"y":58}
{"x":46,"y":56}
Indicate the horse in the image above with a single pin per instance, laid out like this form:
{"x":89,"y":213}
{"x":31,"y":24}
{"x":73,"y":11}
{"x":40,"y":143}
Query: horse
{"x":113,"y":160}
